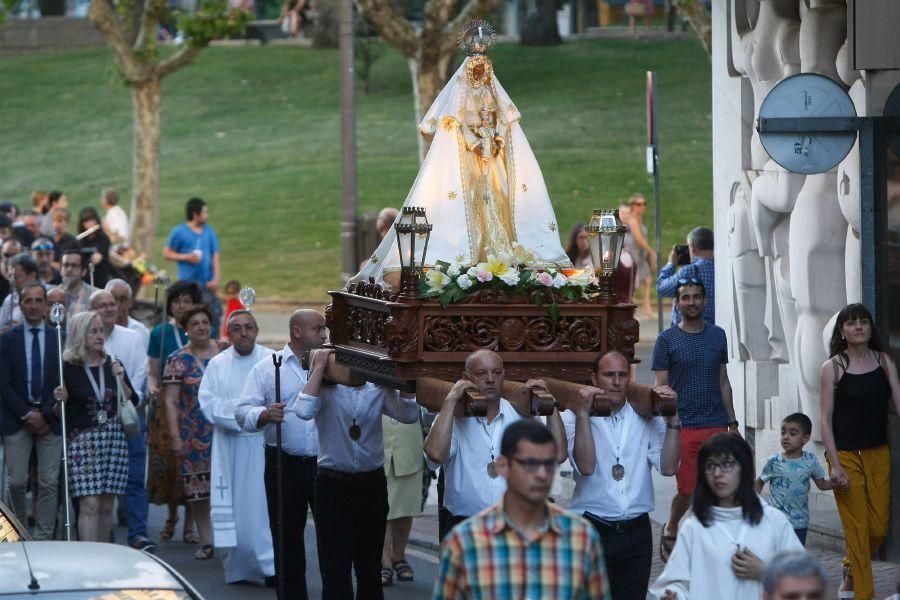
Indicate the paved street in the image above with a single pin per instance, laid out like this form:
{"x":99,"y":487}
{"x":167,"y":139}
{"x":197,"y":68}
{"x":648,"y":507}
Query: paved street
{"x":208,"y":576}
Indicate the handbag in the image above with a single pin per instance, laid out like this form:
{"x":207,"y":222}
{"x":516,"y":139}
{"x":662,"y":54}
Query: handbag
{"x":127,"y":412}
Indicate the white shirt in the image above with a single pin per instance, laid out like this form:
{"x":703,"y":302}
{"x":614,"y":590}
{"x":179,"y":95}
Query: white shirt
{"x":468,"y":489}
{"x":700,"y":564}
{"x":126,"y":346}
{"x":639,"y":453}
{"x":28,"y":342}
{"x":338,"y":407}
{"x":115,"y":223}
{"x":298,"y":437}
{"x":222,"y":384}
{"x":141,"y":330}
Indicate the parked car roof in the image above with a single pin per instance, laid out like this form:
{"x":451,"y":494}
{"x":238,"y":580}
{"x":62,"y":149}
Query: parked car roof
{"x":84,"y":567}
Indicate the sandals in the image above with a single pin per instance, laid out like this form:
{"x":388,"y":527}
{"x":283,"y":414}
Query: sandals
{"x":847,"y":581}
{"x":404,"y":570}
{"x":666,"y":543}
{"x":387,"y":577}
{"x":190,"y":537}
{"x":168,"y":531}
{"x":205,"y":552}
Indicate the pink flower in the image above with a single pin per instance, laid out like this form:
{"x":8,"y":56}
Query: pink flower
{"x":483,"y":275}
{"x":545,"y":278}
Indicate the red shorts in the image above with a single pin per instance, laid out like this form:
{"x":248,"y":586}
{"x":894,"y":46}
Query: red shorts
{"x":691,"y":440}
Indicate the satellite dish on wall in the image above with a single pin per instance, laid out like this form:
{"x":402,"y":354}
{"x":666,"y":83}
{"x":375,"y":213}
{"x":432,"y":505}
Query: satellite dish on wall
{"x":825,"y":126}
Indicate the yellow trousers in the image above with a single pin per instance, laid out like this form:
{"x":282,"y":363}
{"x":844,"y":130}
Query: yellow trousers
{"x":864,"y":511}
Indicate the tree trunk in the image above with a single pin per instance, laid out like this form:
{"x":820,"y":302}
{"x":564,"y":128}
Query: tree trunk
{"x":429,"y":76}
{"x":539,"y":26}
{"x":146,"y":112}
{"x":698,"y":16}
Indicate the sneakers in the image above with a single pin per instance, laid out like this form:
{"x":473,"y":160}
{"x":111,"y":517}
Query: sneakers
{"x":142,"y":543}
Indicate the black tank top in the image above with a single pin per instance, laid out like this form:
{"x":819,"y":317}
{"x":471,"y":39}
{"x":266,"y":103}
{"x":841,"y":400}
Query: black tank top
{"x":859,"y":419}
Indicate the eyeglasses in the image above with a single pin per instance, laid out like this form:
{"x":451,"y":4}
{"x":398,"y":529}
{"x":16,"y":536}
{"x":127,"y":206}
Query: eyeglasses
{"x":639,"y":204}
{"x":9,"y":255}
{"x":531,"y":465}
{"x":726,"y":465}
{"x":690,"y":280}
{"x":123,"y":299}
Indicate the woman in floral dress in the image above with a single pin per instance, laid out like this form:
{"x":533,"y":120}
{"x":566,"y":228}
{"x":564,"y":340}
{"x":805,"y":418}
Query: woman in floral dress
{"x":190,"y":433}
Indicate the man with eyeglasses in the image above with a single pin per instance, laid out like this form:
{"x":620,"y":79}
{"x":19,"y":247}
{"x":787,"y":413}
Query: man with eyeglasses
{"x":702,"y":268}
{"x":121,"y":291}
{"x":240,"y":518}
{"x":524,"y":546}
{"x":43,"y":250}
{"x":467,"y":447}
{"x":691,"y":357}
{"x":613,"y":459}
{"x":73,"y":269}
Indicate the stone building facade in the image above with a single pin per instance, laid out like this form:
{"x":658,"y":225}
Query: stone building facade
{"x":788,"y":245}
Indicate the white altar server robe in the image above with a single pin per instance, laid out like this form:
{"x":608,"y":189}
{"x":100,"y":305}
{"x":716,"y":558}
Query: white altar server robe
{"x":240,"y":518}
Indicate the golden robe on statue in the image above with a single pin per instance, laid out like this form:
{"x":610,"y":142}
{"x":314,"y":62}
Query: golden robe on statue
{"x":480,"y":183}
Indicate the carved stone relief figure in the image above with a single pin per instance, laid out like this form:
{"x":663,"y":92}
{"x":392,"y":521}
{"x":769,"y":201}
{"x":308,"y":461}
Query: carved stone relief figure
{"x":748,"y":275}
{"x":848,"y":182}
{"x":818,"y":227}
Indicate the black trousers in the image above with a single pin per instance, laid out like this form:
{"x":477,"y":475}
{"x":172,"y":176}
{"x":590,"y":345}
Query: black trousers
{"x":628,"y":549}
{"x":298,"y":481}
{"x":351,"y":513}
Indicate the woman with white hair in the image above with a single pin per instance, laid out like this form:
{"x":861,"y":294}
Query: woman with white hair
{"x":98,"y":452}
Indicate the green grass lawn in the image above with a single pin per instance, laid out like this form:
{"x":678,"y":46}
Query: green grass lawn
{"x":255,"y":132}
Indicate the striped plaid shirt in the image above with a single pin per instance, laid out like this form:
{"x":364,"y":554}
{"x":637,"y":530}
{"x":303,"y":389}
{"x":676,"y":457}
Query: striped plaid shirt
{"x":487,"y":558}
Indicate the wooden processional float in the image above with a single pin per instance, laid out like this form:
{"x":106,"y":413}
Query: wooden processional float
{"x":407,"y":340}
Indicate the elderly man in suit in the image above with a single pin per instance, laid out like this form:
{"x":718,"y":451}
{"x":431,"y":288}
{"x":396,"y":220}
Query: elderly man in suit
{"x":28,"y":376}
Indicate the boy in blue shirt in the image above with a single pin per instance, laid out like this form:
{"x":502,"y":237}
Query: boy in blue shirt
{"x":788,"y":473}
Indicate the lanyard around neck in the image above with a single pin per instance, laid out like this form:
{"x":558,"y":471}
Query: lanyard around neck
{"x":99,"y":391}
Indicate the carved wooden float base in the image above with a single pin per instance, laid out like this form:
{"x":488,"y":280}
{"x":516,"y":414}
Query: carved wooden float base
{"x":394,"y":340}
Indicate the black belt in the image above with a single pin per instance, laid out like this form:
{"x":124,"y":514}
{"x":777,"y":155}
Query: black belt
{"x":617,"y":526}
{"x":272,"y":452}
{"x":372,"y":475}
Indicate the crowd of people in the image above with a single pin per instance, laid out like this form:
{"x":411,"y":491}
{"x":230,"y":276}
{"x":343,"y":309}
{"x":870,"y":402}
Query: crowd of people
{"x":225,"y":423}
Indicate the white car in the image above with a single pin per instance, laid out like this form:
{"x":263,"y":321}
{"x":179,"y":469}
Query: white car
{"x":81,"y":570}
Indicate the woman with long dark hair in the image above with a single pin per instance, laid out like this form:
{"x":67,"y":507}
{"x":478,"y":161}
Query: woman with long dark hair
{"x":578,"y":249}
{"x":859,"y":379}
{"x":723,"y":546}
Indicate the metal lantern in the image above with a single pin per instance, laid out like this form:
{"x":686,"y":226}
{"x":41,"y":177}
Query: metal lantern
{"x":413,"y":232}
{"x":607,"y":235}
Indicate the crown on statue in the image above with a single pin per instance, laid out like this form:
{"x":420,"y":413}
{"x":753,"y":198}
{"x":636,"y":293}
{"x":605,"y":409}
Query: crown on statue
{"x":477,"y":38}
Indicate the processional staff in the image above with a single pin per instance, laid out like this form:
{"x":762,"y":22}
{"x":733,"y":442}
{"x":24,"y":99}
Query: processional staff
{"x":248,"y":298}
{"x":57,"y":315}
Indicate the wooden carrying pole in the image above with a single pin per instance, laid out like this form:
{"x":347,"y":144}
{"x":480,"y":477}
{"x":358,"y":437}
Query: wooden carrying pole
{"x":430,"y":393}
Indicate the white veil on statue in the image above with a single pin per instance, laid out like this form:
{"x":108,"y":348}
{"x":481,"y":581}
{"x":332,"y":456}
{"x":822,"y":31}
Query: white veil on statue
{"x":480,"y":183}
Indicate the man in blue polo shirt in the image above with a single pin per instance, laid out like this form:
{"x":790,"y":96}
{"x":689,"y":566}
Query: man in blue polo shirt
{"x":195,"y":247}
{"x":691,"y":357}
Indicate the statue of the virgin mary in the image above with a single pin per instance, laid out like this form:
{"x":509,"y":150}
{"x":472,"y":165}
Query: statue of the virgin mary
{"x":480,"y":184}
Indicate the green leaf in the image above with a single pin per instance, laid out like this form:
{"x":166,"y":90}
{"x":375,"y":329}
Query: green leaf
{"x":539,"y":300}
{"x":442,"y":263}
{"x":554,"y":311}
